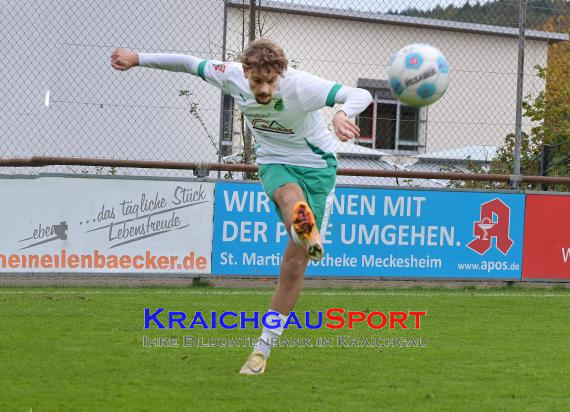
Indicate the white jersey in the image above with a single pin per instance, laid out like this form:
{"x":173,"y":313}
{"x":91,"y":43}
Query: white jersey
{"x":290,"y":129}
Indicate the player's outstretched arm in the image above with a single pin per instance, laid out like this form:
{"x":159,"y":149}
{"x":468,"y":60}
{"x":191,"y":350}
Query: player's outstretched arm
{"x":123,"y":59}
{"x":355,"y":102}
{"x":213,"y":72}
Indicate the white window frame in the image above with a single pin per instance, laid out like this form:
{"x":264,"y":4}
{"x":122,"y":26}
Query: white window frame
{"x":397,"y":142}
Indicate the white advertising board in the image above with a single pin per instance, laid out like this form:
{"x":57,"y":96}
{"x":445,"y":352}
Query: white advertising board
{"x":54,"y":224}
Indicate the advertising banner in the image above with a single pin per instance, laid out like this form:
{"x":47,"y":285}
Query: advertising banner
{"x":378,"y":232}
{"x":547,"y":237}
{"x":105,"y":225}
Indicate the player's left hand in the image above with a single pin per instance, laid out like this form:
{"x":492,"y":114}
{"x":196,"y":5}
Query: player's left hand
{"x":123,"y":59}
{"x":344,"y":128}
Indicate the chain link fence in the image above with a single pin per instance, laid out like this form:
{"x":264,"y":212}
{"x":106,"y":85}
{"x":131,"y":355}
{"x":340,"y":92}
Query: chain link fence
{"x":62,"y":98}
{"x":555,"y":161}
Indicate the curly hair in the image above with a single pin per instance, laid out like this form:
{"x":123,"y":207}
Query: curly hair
{"x":264,"y":56}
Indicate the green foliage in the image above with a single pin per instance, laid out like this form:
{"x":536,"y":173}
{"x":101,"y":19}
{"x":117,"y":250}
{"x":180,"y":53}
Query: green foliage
{"x":502,"y":13}
{"x":549,"y":111}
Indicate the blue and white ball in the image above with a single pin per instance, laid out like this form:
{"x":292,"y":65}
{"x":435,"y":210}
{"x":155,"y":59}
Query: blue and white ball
{"x":418,"y":75}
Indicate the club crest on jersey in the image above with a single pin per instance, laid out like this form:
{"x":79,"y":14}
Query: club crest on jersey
{"x":278,"y":105}
{"x":270,"y":126}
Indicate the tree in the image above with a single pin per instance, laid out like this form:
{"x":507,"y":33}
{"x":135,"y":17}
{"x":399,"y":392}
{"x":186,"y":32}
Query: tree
{"x":554,"y":105}
{"x":496,"y":12}
{"x":556,"y":99}
{"x":550,"y":111}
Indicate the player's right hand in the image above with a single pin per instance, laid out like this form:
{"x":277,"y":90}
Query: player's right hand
{"x":123,"y":59}
{"x":344,"y":128}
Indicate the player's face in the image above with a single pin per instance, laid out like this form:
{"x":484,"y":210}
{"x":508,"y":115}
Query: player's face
{"x":262,"y":84}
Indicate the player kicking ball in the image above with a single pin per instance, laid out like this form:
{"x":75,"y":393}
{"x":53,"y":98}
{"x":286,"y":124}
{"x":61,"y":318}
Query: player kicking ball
{"x":295,"y":150}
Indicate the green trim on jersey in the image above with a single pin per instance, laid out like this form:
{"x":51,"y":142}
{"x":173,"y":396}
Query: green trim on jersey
{"x":330,"y":158}
{"x":201,"y":68}
{"x":332,"y":94}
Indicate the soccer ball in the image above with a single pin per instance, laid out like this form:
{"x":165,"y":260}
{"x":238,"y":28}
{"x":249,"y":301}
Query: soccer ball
{"x":418,"y":75}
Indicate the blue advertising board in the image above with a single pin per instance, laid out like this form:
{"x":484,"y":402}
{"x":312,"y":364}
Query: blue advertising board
{"x":378,"y":232}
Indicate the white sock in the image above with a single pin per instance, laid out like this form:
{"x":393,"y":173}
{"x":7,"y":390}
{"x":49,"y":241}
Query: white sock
{"x":269,"y":337}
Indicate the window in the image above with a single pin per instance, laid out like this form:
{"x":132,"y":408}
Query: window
{"x":227,"y":125}
{"x":387,"y":124}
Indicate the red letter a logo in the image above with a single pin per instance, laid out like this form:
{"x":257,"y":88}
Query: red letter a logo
{"x":488,"y":228}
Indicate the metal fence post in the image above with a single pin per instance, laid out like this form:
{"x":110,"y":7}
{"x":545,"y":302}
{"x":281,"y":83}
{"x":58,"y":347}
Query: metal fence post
{"x":520,"y":81}
{"x":545,"y":163}
{"x":222,"y":106}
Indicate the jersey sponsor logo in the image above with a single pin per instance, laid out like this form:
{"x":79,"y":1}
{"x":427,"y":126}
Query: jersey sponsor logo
{"x":270,"y":126}
{"x":220,"y":67}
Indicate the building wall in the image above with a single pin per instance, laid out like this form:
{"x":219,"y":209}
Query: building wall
{"x":479,"y":105}
{"x":65,"y":47}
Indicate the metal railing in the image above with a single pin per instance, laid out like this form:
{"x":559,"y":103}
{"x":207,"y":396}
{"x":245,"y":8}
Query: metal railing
{"x":202,"y":170}
{"x":61,"y":97}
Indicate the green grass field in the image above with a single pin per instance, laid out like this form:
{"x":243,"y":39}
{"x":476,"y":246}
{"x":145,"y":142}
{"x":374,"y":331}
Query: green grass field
{"x":81,"y":349}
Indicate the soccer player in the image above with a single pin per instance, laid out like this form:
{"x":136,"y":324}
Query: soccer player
{"x":295,"y":150}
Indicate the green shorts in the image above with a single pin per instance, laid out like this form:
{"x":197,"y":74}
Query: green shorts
{"x":317,"y":185}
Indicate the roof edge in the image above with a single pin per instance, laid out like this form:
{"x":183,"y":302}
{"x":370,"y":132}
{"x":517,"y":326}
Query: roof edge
{"x":420,"y":22}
